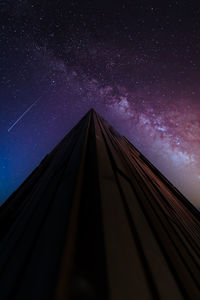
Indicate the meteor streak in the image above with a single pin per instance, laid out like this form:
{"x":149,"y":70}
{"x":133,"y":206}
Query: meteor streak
{"x":29,"y":108}
{"x":24,"y":113}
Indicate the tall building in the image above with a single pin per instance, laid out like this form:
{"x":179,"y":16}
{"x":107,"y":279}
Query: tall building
{"x":96,"y":220}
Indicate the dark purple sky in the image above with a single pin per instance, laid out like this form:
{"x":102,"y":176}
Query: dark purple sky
{"x":137,"y":63}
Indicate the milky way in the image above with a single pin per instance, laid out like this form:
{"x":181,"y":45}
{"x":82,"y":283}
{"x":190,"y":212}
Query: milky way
{"x":136,"y":64}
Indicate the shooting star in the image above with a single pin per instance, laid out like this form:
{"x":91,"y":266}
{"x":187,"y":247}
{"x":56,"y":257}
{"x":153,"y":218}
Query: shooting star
{"x":29,"y":108}
{"x":24,"y":113}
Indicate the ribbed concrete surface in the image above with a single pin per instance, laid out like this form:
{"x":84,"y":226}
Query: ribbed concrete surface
{"x":96,"y":220}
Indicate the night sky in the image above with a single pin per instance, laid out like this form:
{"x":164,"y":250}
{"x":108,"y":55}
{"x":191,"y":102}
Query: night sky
{"x":137,"y":63}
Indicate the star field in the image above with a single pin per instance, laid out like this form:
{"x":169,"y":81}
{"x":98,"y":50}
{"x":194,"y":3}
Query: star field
{"x":136,"y":62}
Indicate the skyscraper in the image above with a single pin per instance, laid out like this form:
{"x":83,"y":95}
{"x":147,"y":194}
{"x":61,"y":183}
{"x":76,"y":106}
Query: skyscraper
{"x":96,"y":220}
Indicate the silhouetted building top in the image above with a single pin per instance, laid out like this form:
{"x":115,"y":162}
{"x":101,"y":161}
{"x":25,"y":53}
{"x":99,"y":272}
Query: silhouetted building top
{"x":96,"y":220}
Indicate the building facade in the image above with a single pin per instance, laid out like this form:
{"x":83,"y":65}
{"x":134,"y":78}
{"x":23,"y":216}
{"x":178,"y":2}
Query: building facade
{"x":96,"y":220}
